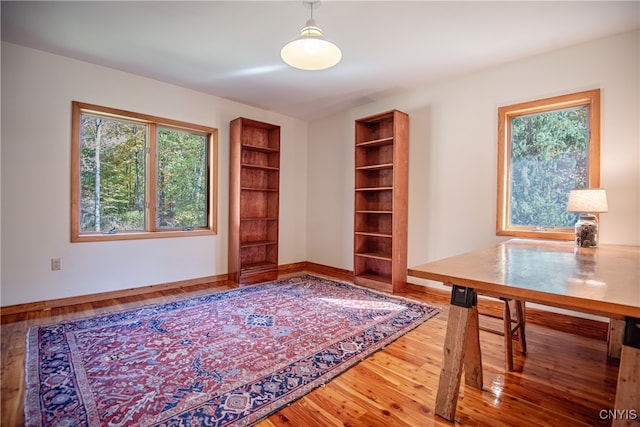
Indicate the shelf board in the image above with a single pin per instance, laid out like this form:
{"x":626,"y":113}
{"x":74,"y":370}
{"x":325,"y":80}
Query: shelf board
{"x":257,"y":189}
{"x":373,"y":212}
{"x":246,"y":268}
{"x":376,"y":142}
{"x":263,"y":167}
{"x":375,"y":255}
{"x":375,"y":281}
{"x":259,"y":218}
{"x":373,"y":234}
{"x":258,"y":243}
{"x":260,"y":148}
{"x":374,"y":189}
{"x":374,"y":167}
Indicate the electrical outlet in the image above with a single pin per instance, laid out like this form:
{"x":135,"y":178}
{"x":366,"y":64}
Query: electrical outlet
{"x":55,"y":264}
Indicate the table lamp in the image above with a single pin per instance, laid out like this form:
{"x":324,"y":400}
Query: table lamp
{"x":587,"y":201}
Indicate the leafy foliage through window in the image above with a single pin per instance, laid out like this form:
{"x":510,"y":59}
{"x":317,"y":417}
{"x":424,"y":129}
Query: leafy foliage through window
{"x":546,"y":149}
{"x":136,"y":175}
{"x":112,"y":172}
{"x":181,"y":185}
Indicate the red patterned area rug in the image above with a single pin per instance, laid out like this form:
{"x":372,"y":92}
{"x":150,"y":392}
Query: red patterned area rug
{"x":226,"y":359}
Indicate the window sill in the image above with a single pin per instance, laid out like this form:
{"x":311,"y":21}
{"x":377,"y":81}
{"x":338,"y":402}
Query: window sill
{"x":551,"y":234}
{"x":136,"y":235}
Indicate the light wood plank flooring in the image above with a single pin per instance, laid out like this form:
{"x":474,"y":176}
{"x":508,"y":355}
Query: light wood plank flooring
{"x":565,"y":379}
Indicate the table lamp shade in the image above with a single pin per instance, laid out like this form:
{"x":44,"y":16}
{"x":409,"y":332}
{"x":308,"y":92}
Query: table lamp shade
{"x":588,"y":200}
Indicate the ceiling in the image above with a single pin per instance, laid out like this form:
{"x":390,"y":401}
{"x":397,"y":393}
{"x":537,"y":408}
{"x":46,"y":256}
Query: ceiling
{"x":231,"y":49}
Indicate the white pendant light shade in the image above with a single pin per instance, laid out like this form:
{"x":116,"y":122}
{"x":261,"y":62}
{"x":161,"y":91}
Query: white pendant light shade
{"x":311,"y":51}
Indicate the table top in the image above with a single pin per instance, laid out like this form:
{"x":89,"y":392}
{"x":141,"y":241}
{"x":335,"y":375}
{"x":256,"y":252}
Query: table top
{"x":603,"y":280}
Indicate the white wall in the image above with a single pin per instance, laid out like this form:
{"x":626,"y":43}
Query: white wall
{"x":453,"y":152}
{"x":37,"y":90}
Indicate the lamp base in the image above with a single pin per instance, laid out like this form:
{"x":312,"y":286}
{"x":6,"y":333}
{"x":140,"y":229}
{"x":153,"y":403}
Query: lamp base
{"x":587,"y":231}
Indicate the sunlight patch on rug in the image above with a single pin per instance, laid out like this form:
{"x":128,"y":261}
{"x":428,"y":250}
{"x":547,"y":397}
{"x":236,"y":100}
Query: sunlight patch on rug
{"x":364,"y":304}
{"x":225,"y":359}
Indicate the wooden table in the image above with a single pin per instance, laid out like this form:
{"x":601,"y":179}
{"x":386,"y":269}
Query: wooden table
{"x":604,"y":281}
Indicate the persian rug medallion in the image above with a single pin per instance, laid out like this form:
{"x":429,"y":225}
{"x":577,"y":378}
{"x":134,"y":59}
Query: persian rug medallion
{"x":225,"y":359}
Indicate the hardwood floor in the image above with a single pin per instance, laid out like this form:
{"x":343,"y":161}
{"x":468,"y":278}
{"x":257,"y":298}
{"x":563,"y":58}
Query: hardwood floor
{"x":565,"y":379}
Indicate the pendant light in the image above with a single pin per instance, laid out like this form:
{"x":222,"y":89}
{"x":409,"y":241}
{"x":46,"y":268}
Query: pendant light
{"x":311,"y":51}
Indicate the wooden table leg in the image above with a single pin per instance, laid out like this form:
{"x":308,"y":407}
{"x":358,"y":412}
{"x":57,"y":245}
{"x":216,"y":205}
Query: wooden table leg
{"x":627,"y":405}
{"x":453,"y":359}
{"x":614,"y":338}
{"x":472,"y":355}
{"x":461,"y":348}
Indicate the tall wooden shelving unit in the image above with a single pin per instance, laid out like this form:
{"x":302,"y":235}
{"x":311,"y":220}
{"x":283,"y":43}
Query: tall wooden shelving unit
{"x":381,"y":194}
{"x":254,"y":188}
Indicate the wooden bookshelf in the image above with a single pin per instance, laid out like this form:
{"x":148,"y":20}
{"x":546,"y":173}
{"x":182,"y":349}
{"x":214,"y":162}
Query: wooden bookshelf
{"x":254,"y":189}
{"x":381,"y":188}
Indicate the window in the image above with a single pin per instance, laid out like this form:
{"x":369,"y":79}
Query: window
{"x":137,"y":176}
{"x":545,"y":149}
